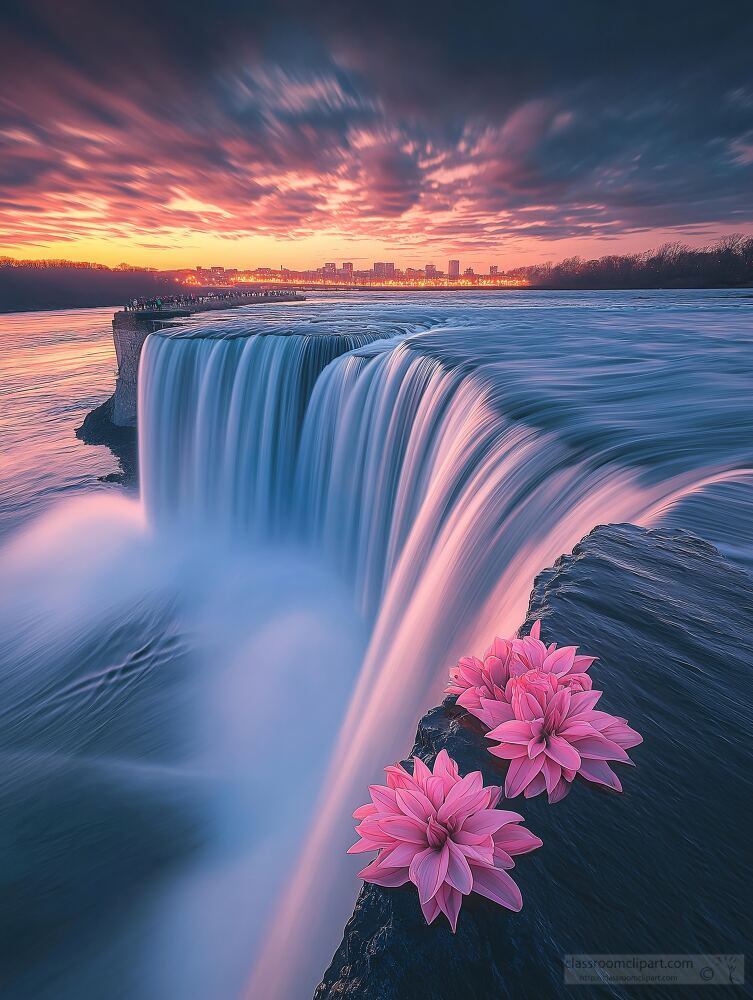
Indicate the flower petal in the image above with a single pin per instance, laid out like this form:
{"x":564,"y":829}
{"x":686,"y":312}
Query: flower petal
{"x":599,"y":747}
{"x":489,"y":821}
{"x":404,"y":828}
{"x":559,"y":791}
{"x":428,"y":871}
{"x":516,"y":839}
{"x":449,"y":901}
{"x":383,"y":798}
{"x":493,"y":712}
{"x":536,"y":747}
{"x":521,"y":771}
{"x":562,"y":752}
{"x":461,"y":795}
{"x":430,"y":910}
{"x":560,"y":661}
{"x":516,"y":731}
{"x":390,"y":878}
{"x":414,"y":803}
{"x":496,"y":884}
{"x":552,"y":773}
{"x":536,"y":787}
{"x":363,"y":811}
{"x":599,"y":772}
{"x":421,"y":772}
{"x":582,"y":702}
{"x":458,"y":870}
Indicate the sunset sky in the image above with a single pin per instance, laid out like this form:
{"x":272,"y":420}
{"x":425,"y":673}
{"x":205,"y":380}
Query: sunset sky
{"x":241,"y":133}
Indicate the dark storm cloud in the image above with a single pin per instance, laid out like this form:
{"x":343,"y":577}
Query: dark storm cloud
{"x":469,"y":124}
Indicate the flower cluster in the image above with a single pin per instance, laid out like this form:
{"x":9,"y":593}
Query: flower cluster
{"x":443,"y":833}
{"x":538,"y":703}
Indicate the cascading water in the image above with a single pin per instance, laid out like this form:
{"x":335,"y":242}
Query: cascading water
{"x":222,"y":416}
{"x":401,"y":472}
{"x":334,"y":508}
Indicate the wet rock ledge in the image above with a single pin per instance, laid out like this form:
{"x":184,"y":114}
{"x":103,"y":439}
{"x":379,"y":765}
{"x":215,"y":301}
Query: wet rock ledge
{"x":661,"y":868}
{"x":99,"y":428}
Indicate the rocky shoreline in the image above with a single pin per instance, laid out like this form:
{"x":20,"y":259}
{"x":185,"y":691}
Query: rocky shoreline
{"x":99,"y":428}
{"x":655,"y":606}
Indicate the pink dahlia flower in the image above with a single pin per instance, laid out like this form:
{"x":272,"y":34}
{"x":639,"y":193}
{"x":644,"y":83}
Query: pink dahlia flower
{"x":480,"y":684}
{"x":556,"y":734}
{"x":561,"y":661}
{"x":442,"y":833}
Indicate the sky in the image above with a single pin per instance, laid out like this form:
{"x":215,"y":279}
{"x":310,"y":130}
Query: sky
{"x":235,"y":133}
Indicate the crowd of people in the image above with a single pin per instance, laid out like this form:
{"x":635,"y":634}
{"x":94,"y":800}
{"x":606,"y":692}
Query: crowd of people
{"x":194,"y":301}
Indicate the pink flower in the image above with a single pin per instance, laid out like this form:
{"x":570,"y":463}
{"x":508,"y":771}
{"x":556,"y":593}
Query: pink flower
{"x":484,"y":687}
{"x":442,"y":833}
{"x":480,"y":684}
{"x":556,"y":735}
{"x":534,"y":655}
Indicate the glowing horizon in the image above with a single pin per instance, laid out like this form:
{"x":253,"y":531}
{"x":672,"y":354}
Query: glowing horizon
{"x":306,"y":254}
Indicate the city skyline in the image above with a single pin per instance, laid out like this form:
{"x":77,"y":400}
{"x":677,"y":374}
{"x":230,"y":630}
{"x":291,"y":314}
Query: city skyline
{"x":380,"y":273}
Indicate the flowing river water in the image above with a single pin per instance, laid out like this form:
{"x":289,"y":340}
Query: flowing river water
{"x":338,"y":498}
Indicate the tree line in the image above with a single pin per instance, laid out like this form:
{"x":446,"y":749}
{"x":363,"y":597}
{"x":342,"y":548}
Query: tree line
{"x":728,"y":263}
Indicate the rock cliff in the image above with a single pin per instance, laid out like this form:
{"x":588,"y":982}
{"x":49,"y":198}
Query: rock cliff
{"x":660,"y":868}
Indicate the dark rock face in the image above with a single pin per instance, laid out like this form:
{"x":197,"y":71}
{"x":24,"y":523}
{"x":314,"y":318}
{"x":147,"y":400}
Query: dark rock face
{"x":661,"y":868}
{"x":98,"y":428}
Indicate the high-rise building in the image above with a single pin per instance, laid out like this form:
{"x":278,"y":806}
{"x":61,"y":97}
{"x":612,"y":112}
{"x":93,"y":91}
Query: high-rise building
{"x":468,"y":273}
{"x":453,"y":269}
{"x":389,"y":269}
{"x":347,"y":266}
{"x":431,"y":270}
{"x":329,"y":270}
{"x":493,"y":270}
{"x":379,"y":269}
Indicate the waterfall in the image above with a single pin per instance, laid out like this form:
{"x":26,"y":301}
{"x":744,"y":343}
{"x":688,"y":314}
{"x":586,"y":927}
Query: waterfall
{"x":402,"y":472}
{"x":337,"y":502}
{"x":220,"y":421}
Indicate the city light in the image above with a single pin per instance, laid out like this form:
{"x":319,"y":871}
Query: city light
{"x":383,"y":275}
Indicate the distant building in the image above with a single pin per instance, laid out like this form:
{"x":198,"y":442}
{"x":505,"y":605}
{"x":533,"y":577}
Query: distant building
{"x":379,"y":269}
{"x":329,"y":270}
{"x":493,"y":270}
{"x":389,"y":269}
{"x":431,"y":270}
{"x":468,"y":273}
{"x":347,"y":266}
{"x":453,"y":269}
